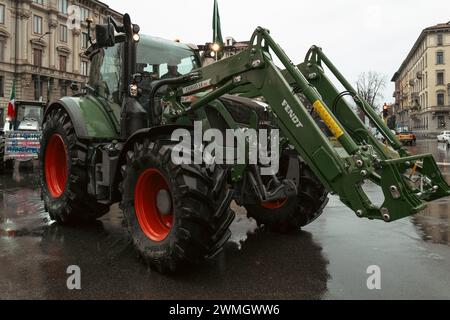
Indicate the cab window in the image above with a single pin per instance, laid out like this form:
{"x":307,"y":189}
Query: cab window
{"x":159,"y":59}
{"x":105,"y":73}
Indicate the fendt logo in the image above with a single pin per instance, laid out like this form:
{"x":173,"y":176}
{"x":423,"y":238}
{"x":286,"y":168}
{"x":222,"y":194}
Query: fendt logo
{"x":295,"y":119}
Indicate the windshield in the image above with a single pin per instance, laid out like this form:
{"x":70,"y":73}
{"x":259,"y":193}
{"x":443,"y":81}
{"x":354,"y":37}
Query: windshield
{"x":160,"y":59}
{"x":31,"y":113}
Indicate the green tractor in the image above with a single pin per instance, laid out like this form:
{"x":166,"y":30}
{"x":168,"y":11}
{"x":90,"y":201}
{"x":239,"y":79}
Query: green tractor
{"x":115,"y":140}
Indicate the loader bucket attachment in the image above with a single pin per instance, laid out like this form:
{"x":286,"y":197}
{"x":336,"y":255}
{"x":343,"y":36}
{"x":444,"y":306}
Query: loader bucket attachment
{"x":408,"y":182}
{"x":343,"y":157}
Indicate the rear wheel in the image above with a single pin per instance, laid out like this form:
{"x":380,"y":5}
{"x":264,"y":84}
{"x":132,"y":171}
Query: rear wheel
{"x":290,"y":214}
{"x":63,"y":172}
{"x":174,"y":214}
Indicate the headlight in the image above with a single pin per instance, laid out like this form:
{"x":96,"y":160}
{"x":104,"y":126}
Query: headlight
{"x":215,"y":47}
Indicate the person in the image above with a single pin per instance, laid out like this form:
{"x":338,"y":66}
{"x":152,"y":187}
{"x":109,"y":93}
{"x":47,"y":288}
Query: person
{"x":172,"y":72}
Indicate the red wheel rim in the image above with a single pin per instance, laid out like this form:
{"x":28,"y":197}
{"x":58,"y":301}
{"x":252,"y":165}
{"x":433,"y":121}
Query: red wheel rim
{"x":155,"y":225}
{"x":277,"y":204}
{"x":56,"y":166}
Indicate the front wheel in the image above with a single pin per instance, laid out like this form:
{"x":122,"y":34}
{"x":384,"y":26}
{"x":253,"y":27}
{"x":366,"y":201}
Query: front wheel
{"x":63,"y":172}
{"x":174,"y":213}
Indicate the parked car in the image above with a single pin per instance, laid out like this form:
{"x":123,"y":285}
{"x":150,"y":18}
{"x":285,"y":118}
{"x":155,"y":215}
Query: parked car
{"x":444,"y":136}
{"x":447,"y":141}
{"x":407,"y":138}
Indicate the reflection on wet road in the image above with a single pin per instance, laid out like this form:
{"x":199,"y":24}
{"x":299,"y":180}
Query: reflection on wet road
{"x":327,"y":260}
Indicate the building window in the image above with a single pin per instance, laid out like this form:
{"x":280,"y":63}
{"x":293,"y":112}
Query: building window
{"x":440,"y":40}
{"x":62,"y":63}
{"x":2,"y":50}
{"x":62,"y":88}
{"x":37,"y":24}
{"x":62,"y":6}
{"x":37,"y":57}
{"x":439,"y":57}
{"x":2,"y":87}
{"x":84,"y":68}
{"x":85,"y":13}
{"x":41,"y":2}
{"x":63,"y":33}
{"x":84,"y":40}
{"x":439,"y":78}
{"x":38,"y":89}
{"x":2,"y":14}
{"x":441,"y":122}
{"x":440,"y":99}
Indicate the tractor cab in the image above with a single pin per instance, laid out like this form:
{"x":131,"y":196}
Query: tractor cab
{"x":117,"y":65}
{"x":28,"y":116}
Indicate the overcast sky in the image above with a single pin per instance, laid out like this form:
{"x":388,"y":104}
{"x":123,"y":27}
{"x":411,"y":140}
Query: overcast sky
{"x":357,"y":35}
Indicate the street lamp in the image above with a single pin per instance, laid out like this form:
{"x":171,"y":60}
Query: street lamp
{"x":39,"y":67}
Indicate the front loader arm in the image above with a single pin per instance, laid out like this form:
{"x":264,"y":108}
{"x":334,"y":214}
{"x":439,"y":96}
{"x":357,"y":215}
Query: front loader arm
{"x":343,"y":165}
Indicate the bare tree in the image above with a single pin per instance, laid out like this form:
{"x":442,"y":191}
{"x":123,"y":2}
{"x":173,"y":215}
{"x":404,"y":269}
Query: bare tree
{"x":370,"y":86}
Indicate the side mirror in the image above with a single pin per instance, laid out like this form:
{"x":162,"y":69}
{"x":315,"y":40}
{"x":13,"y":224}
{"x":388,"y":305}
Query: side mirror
{"x":105,"y":35}
{"x":74,"y":87}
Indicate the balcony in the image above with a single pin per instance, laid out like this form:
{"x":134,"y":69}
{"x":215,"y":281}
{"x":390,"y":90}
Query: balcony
{"x":441,"y":109}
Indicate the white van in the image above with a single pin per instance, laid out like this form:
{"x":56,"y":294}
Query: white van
{"x":444,"y":136}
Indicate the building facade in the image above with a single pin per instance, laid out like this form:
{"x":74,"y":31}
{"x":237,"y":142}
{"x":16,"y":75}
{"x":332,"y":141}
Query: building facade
{"x":42,"y":44}
{"x":233,"y":47}
{"x":422,"y":83}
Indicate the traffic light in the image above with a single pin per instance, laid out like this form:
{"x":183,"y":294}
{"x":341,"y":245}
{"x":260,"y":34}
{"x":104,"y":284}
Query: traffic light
{"x":385,"y":111}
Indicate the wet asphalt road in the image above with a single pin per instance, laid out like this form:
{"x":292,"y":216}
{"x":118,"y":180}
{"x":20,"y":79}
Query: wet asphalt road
{"x":327,"y":260}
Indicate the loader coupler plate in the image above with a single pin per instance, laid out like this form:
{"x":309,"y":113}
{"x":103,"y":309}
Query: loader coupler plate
{"x":408,"y":184}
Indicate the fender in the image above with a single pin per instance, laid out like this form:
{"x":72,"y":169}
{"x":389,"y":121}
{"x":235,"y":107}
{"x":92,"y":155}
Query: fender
{"x":89,"y":116}
{"x":147,"y":132}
